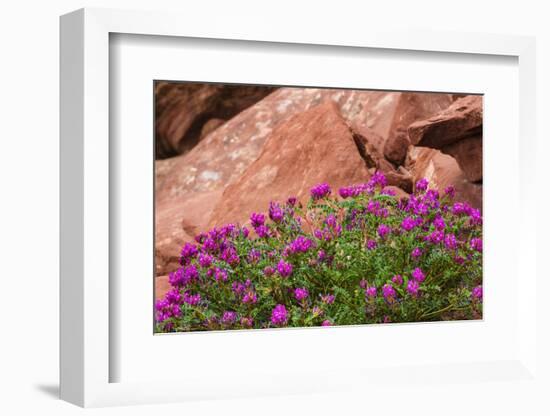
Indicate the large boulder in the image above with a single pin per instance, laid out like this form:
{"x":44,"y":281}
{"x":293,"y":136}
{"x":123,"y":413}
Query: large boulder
{"x":169,"y":237}
{"x":411,"y":107}
{"x":468,"y":152}
{"x":177,"y":222}
{"x":184,"y":109}
{"x":456,"y":131}
{"x":309,"y":148}
{"x":221,"y":157}
{"x":463,"y":118}
{"x":162,"y":285}
{"x":162,"y":168}
{"x":442,"y":171}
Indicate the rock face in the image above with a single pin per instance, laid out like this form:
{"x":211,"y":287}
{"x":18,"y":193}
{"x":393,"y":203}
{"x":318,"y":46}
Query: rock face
{"x":161,"y":286}
{"x":162,"y":168}
{"x":411,"y":107}
{"x":468,"y":152}
{"x":221,"y":157}
{"x":224,"y":154}
{"x":311,"y":147}
{"x":462,"y":119}
{"x":177,"y":222}
{"x":169,"y":237}
{"x":443,"y":170}
{"x":183,"y":109}
{"x":456,"y":131}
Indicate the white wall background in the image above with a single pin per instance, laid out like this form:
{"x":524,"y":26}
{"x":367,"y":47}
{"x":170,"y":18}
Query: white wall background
{"x":29,"y":174}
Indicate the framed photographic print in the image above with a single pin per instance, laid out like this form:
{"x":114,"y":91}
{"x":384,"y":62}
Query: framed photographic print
{"x":279,"y":213}
{"x":322,"y":212}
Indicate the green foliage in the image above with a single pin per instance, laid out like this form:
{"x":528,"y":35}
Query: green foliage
{"x":421,"y":255}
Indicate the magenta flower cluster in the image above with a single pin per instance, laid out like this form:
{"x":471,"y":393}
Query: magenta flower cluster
{"x":300,"y":245}
{"x":301,"y":293}
{"x":284,"y":268}
{"x":279,"y":315}
{"x":320,"y":191}
{"x":362,"y":256}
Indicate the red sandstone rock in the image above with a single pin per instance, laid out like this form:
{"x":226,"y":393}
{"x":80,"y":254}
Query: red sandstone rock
{"x":161,"y":286}
{"x":162,"y":168}
{"x":183,"y":108}
{"x":442,"y":170}
{"x":462,"y":119}
{"x":210,"y":126}
{"x":177,"y":222}
{"x":468,"y":152}
{"x":411,"y":107}
{"x":456,"y":131}
{"x":169,"y":238}
{"x":221,"y":157}
{"x":311,"y":147}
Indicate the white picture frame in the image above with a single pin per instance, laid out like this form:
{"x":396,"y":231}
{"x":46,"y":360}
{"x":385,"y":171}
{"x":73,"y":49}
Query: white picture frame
{"x":86,"y":356}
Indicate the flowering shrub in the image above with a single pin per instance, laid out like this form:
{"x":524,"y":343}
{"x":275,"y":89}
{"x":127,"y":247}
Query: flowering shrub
{"x":363,"y":257}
